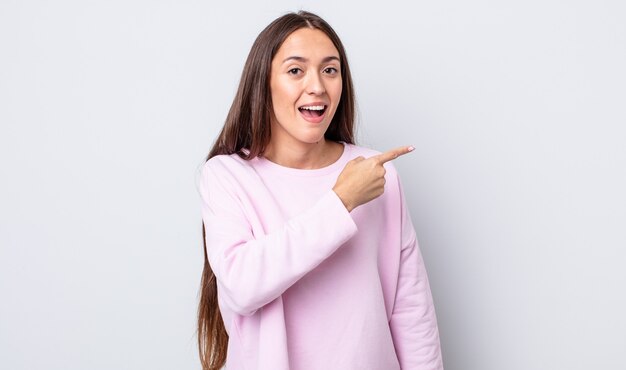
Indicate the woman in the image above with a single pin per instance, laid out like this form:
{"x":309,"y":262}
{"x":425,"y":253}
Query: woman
{"x":311,"y":260}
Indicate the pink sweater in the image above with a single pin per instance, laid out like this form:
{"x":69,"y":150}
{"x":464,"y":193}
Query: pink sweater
{"x":303,"y":283}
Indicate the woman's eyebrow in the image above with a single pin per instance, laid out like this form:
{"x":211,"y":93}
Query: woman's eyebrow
{"x":304,"y":60}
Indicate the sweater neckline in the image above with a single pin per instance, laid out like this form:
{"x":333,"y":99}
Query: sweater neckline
{"x":265,"y":164}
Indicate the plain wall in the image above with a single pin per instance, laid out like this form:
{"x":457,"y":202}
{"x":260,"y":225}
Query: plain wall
{"x":516,"y":188}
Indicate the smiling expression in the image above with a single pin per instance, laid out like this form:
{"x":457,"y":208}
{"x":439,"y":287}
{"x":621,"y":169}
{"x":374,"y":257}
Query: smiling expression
{"x":305,"y":85}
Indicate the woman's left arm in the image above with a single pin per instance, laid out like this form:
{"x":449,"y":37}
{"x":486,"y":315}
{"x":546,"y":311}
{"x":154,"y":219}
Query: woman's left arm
{"x":413,"y":321}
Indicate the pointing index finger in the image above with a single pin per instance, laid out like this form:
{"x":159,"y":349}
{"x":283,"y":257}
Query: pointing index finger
{"x":393,"y":154}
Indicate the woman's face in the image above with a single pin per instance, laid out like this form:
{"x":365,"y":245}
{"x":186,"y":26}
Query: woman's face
{"x":305,"y":84}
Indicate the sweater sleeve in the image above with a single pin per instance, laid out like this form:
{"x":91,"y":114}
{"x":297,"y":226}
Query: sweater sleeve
{"x":253,"y":270}
{"x":413,"y":322}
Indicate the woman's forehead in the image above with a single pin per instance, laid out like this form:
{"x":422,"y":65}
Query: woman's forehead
{"x":306,"y":44}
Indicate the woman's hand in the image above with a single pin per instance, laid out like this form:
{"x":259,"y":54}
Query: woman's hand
{"x":363,"y":180}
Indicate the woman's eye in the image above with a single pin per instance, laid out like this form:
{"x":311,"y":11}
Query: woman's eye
{"x":330,"y":70}
{"x":294,"y":71}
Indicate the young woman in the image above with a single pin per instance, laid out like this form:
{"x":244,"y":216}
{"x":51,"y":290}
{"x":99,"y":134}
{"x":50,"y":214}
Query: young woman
{"x":311,"y":260}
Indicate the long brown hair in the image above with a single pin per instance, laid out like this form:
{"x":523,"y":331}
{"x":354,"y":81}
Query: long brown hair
{"x":246,"y":133}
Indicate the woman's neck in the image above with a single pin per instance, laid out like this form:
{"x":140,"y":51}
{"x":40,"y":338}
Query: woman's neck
{"x":305,"y":157}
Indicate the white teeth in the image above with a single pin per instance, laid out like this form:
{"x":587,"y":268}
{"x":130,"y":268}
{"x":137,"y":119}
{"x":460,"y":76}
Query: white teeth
{"x":314,"y":107}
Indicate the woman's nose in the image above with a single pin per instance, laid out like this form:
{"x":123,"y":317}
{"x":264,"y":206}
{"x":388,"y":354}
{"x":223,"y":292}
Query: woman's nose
{"x":315,"y":85}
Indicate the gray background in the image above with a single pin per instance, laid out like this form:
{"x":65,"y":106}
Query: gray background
{"x":517,"y":111}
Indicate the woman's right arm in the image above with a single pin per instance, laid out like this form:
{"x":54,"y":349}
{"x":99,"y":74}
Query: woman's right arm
{"x":253,"y":270}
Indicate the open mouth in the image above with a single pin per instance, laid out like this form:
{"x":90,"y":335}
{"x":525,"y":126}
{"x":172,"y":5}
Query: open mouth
{"x":313,"y":111}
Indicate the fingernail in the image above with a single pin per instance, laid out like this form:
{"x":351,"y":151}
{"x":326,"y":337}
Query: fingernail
{"x":411,"y":148}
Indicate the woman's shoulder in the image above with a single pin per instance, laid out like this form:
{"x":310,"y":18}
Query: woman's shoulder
{"x":358,"y":150}
{"x":226,"y":163}
{"x":225,"y":175}
{"x":227,"y":169}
